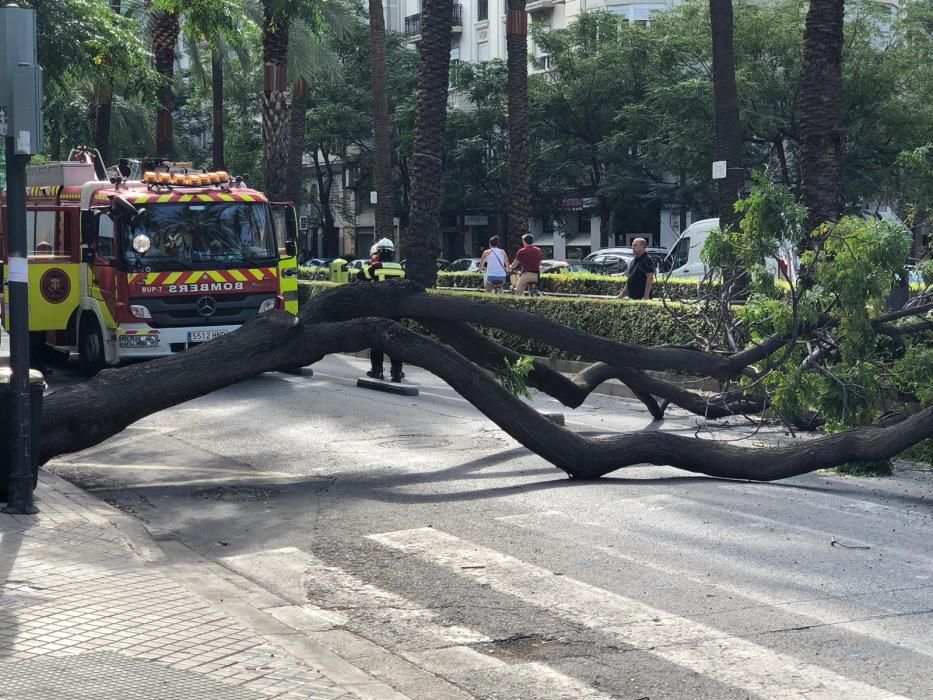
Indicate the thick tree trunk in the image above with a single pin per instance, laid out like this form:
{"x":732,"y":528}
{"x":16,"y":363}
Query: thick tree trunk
{"x":164,"y":27}
{"x":421,"y":239}
{"x":516,"y":41}
{"x":382,"y":142}
{"x":79,"y":416}
{"x":294,"y":191}
{"x":104,"y":105}
{"x":822,"y":140}
{"x":274,"y":101}
{"x":102,"y":113}
{"x":217,"y":111}
{"x":727,"y":127}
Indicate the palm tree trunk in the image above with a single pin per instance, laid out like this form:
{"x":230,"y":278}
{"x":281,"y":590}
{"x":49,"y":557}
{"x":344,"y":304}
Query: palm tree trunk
{"x":104,"y":106}
{"x":822,"y":140}
{"x":382,"y":144}
{"x":516,"y":41}
{"x":294,"y":188}
{"x":217,"y":114}
{"x":274,"y":101}
{"x":727,"y":128}
{"x":420,"y":242}
{"x":164,"y":28}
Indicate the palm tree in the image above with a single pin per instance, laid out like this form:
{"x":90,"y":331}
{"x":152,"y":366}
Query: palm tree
{"x":382,"y":141}
{"x":164,"y":28}
{"x":275,"y":26}
{"x":103,"y":105}
{"x":420,"y":237}
{"x":727,"y":127}
{"x":516,"y":41}
{"x":222,"y":52}
{"x":822,"y":140}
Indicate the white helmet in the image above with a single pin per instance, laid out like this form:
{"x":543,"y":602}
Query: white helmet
{"x":385,"y":244}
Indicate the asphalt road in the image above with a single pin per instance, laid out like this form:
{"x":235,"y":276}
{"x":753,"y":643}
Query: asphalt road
{"x":456,"y":564}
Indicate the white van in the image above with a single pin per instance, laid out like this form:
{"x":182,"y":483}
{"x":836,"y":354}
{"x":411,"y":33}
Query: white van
{"x":684,"y":259}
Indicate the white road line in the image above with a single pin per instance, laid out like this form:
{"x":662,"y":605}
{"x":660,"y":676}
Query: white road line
{"x":819,"y":610}
{"x":713,"y":653}
{"x":443,"y":650}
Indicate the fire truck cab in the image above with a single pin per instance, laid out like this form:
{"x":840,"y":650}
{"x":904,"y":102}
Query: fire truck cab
{"x":135,"y":269}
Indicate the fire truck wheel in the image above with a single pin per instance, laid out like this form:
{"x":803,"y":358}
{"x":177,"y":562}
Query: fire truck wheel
{"x":90,"y":347}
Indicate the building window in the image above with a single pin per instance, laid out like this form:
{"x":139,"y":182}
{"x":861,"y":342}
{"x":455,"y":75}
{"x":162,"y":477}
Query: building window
{"x":482,"y":10}
{"x":584,"y":226}
{"x":482,"y":51}
{"x":454,"y":67}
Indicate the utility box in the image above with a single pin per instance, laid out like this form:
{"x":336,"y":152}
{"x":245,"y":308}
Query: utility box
{"x":20,"y":80}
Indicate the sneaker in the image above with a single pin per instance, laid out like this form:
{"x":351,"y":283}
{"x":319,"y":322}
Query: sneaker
{"x":373,"y":374}
{"x":397,"y":378}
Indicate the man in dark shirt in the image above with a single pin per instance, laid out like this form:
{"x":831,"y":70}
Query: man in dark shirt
{"x":640,"y":272}
{"x":529,"y":258}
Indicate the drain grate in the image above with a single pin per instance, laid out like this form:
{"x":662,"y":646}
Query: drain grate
{"x":234,"y":494}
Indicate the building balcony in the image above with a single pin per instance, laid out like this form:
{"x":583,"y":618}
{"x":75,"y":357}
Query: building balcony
{"x":413,"y":23}
{"x":539,"y":6}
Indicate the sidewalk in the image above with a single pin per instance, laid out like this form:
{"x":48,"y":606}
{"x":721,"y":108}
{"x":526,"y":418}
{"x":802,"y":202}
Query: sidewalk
{"x":92,"y":607}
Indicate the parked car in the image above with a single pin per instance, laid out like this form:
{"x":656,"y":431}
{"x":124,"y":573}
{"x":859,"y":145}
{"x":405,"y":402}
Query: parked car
{"x":317,"y":262}
{"x":358,"y":263}
{"x":464,"y":265}
{"x":554,"y":266}
{"x":615,"y":261}
{"x":441,"y":264}
{"x":591,"y":267}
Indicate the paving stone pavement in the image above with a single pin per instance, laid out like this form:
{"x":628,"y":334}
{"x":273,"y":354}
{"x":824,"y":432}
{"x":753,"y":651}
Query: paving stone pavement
{"x":83,"y":614}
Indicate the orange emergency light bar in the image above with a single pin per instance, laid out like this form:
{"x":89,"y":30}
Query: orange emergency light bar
{"x":186,"y":179}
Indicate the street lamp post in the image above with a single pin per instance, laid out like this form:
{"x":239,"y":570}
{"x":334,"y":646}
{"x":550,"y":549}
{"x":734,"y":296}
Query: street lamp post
{"x":21,"y":127}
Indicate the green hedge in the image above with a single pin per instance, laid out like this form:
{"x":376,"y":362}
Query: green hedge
{"x":639,"y":322}
{"x":578,"y":283}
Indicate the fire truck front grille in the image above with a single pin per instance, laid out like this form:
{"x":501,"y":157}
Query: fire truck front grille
{"x":228,"y":309}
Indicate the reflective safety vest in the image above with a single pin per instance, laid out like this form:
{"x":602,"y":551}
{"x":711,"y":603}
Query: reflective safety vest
{"x":380,"y":272}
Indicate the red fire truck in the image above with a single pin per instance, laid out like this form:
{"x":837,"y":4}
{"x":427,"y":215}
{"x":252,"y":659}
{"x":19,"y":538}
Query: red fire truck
{"x":123,"y":268}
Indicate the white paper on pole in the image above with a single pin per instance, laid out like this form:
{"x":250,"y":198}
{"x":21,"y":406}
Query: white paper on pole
{"x":23,"y":141}
{"x":18,"y":270}
{"x":719,"y":169}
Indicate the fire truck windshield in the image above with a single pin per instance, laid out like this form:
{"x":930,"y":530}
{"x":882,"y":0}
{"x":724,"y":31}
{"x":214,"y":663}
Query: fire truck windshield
{"x":203,"y":234}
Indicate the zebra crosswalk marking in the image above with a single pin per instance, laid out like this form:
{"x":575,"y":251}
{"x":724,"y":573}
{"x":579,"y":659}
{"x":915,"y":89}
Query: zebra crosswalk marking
{"x":710,"y":652}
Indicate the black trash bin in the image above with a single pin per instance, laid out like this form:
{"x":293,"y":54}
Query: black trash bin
{"x":36,"y":389}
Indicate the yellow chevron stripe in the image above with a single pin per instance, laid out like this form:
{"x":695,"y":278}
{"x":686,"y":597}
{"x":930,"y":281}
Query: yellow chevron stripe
{"x":247,"y":198}
{"x":186,"y":198}
{"x":164,"y":198}
{"x":238,"y":276}
{"x":142,"y":199}
{"x":205,"y":198}
{"x":273,"y":271}
{"x":216,"y":276}
{"x":193,"y":277}
{"x":226,"y":198}
{"x":257,"y":274}
{"x":173,"y":278}
{"x":151,"y":277}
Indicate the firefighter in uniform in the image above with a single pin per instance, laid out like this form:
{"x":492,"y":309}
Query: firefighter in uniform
{"x":380,"y":268}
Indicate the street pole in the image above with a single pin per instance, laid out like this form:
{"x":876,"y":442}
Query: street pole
{"x":21,"y":106}
{"x":20,"y":488}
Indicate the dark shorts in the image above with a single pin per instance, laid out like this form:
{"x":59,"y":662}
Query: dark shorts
{"x":495,"y":280}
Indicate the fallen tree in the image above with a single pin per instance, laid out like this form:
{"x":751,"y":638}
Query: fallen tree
{"x":357,"y":316}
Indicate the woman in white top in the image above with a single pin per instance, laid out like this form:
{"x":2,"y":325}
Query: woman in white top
{"x":496,"y":263}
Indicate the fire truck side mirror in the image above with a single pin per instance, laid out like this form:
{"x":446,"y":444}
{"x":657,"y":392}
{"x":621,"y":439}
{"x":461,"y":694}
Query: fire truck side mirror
{"x":291,"y":250}
{"x":88,"y":255}
{"x":121,"y":208}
